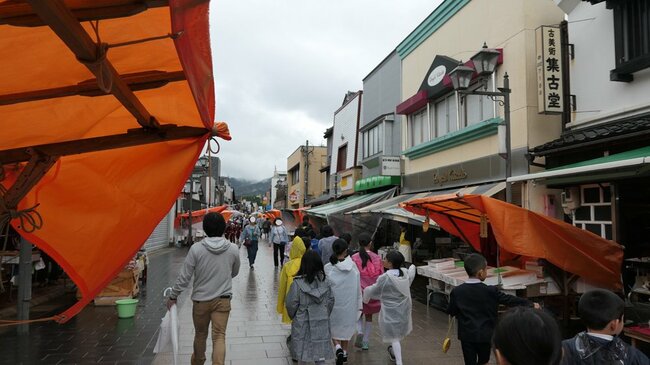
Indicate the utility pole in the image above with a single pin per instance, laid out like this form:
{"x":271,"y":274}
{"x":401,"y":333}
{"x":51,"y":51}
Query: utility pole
{"x":306,"y":153}
{"x":24,"y":284}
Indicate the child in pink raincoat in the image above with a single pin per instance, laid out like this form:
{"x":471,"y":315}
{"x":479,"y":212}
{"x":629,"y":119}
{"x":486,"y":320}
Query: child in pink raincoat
{"x":370,"y":268}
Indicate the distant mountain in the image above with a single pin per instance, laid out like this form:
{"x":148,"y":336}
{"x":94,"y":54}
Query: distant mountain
{"x":245,"y":187}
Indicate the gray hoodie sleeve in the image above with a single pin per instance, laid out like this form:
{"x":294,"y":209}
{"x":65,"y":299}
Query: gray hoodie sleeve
{"x":236,"y":263}
{"x":185,"y":275}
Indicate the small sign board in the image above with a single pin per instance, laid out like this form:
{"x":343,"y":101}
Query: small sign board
{"x":390,"y":166}
{"x":549,"y":70}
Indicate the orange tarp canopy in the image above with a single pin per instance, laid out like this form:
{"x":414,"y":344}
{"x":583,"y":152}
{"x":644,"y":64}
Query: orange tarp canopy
{"x":197,"y":215}
{"x":524,"y":232}
{"x":273,"y":214}
{"x":98,"y":208}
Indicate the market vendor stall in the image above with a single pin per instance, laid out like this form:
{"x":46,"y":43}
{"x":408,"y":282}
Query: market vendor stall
{"x":521,"y":232}
{"x":99,"y":139}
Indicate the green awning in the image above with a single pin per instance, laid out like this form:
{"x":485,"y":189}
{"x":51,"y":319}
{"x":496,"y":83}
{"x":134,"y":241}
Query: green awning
{"x":374,"y":182}
{"x":621,"y":165}
{"x":348,"y":204}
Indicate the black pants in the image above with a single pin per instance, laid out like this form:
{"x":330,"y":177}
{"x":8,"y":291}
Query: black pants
{"x":476,"y":352}
{"x":278,"y":251}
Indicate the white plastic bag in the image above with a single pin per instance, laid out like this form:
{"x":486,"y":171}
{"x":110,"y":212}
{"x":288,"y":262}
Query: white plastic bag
{"x":168,"y":335}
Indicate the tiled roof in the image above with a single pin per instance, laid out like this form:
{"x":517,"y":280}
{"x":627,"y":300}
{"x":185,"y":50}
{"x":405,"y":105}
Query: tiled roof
{"x":602,"y":133}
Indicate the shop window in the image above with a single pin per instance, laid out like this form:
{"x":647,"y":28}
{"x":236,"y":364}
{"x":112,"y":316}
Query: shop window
{"x":444,"y":116}
{"x":595,"y":212}
{"x":477,"y":109}
{"x":603,"y":213}
{"x":417,"y":125}
{"x":373,"y":141}
{"x":631,"y":37}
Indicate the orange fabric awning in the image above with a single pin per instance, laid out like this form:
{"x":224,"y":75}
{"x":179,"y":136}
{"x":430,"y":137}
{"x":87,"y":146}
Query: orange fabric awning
{"x":524,"y":232}
{"x":197,"y":215}
{"x":98,"y":208}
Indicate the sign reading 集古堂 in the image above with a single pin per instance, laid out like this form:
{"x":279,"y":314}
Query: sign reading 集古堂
{"x":549,"y":70}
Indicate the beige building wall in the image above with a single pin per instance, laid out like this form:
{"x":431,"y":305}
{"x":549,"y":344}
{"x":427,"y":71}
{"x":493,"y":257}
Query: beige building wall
{"x":506,"y":24}
{"x":317,"y":158}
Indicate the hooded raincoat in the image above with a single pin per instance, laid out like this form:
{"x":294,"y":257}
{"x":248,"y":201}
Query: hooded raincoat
{"x":394,"y":293}
{"x":289,"y":270}
{"x":310,"y":305}
{"x":348,"y":303}
{"x":369,"y":275}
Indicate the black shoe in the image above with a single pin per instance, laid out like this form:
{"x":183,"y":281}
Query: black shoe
{"x":339,"y":357}
{"x":391,"y":354}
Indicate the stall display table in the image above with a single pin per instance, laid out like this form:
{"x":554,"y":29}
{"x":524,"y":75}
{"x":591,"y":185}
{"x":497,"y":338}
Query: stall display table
{"x":637,"y":333}
{"x":125,"y":285}
{"x":446,"y":274}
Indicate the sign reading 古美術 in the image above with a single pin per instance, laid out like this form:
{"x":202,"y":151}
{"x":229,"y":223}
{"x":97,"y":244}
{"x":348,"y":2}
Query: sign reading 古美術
{"x":549,"y":70}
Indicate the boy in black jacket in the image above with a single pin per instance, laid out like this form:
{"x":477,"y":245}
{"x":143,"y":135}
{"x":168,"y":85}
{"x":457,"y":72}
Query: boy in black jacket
{"x":475,"y":306}
{"x":602,"y":313}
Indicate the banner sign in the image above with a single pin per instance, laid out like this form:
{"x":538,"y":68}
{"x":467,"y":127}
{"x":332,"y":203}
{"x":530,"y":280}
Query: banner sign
{"x":549,"y":70}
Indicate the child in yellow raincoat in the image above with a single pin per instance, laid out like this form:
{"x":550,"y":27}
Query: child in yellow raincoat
{"x":289,"y":270}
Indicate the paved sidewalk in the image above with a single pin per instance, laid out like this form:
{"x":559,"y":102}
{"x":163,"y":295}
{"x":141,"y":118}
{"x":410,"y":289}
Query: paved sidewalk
{"x":96,"y":335}
{"x":256,"y":335}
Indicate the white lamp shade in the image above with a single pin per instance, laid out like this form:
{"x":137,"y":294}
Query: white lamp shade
{"x":501,"y":134}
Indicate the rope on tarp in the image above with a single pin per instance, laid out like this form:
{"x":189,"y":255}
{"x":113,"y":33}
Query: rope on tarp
{"x":30,"y":219}
{"x":7,"y":323}
{"x":213,"y":139}
{"x":104,"y":78}
{"x":143,"y":40}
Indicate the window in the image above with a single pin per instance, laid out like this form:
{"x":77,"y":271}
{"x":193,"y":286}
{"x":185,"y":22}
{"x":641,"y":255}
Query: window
{"x":342,"y":158}
{"x":294,"y":175}
{"x":631,"y":37}
{"x":373,"y":141}
{"x":417,"y":125}
{"x":477,"y":108}
{"x":595,"y":211}
{"x":445,"y":119}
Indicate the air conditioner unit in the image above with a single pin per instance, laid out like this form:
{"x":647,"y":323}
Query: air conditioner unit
{"x":570,"y":199}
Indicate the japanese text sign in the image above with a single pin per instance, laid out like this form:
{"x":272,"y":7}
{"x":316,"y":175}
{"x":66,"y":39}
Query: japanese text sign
{"x":549,"y":70}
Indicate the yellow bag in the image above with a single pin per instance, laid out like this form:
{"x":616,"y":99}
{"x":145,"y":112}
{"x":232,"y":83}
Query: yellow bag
{"x":447,"y":341}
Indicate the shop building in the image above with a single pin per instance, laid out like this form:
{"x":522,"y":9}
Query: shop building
{"x":600,"y":163}
{"x":450,"y":140}
{"x":344,"y":167}
{"x":277,"y":184}
{"x":380,"y":134}
{"x":303,"y":176}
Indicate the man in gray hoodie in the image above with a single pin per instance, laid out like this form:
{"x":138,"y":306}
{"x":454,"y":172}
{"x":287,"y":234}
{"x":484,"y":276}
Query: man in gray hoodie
{"x":213,"y":262}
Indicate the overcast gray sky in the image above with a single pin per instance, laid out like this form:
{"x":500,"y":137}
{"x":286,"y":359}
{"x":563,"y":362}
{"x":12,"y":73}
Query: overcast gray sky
{"x":282,"y":68}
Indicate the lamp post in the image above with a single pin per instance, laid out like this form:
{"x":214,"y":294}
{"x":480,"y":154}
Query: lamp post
{"x":485,"y":62}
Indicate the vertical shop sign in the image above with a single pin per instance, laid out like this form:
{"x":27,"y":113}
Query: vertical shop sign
{"x":549,"y":70}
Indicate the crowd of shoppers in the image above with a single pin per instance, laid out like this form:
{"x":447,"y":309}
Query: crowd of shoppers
{"x":329,"y":294}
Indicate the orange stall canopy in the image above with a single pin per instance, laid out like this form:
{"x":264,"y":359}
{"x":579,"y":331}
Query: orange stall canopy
{"x":105,"y":107}
{"x":524,"y":232}
{"x":197,"y":215}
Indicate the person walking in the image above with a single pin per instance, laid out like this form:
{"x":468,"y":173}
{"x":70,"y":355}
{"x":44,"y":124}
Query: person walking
{"x":346,"y":286}
{"x":325,"y":243}
{"x":266,"y":228}
{"x":279,"y":238}
{"x":393,"y":289}
{"x":250,"y":237}
{"x":370,"y":268}
{"x":475,"y":306}
{"x":309,"y":304}
{"x":212,"y":262}
{"x":289,"y":271}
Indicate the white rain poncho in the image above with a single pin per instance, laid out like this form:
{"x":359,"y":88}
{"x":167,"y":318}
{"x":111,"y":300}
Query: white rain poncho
{"x":348,"y":303}
{"x":394,"y":293}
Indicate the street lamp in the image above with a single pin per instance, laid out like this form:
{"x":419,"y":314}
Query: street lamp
{"x":485,"y":62}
